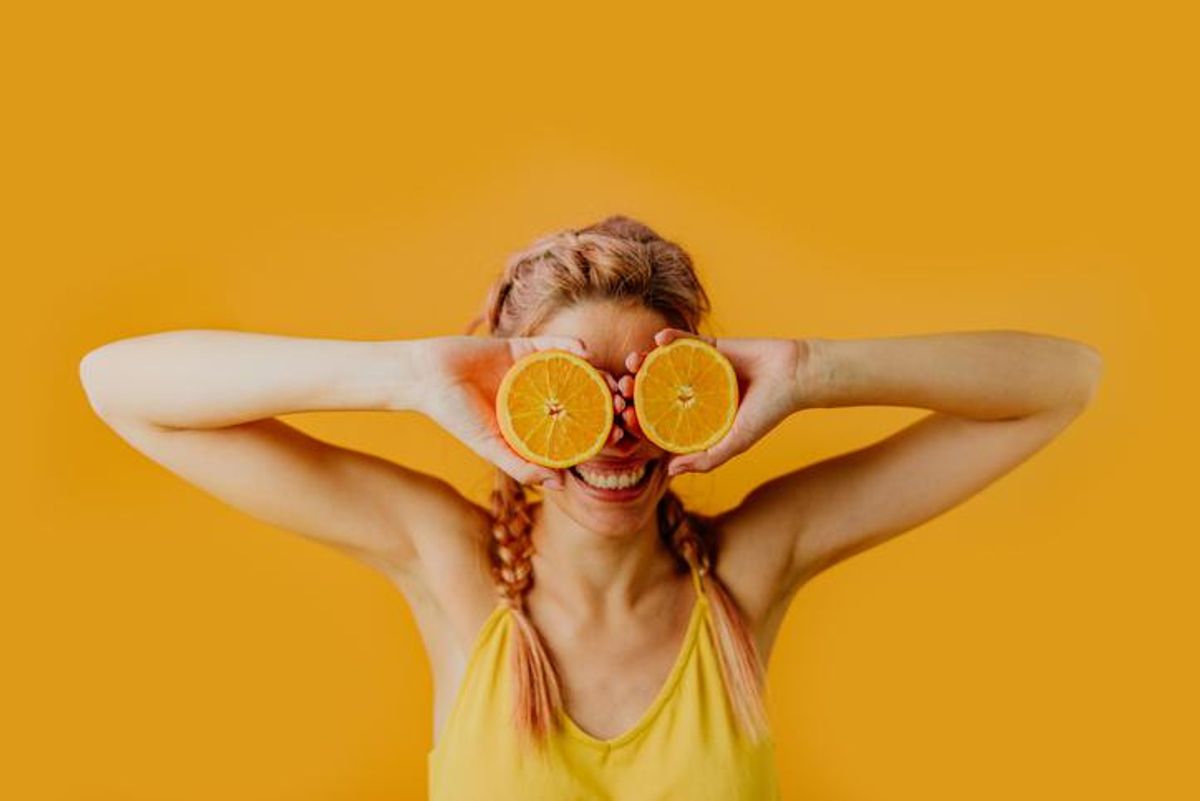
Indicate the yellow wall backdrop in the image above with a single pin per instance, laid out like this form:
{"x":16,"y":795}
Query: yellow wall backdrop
{"x":837,"y":170}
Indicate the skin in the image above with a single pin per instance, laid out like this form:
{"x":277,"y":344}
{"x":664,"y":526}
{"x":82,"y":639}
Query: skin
{"x":606,"y":596}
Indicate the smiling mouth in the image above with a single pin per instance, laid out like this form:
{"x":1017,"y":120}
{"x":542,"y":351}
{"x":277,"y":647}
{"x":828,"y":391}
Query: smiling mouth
{"x":617,"y":483}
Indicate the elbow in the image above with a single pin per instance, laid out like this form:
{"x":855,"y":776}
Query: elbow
{"x":92,"y":380}
{"x":1091,"y":371}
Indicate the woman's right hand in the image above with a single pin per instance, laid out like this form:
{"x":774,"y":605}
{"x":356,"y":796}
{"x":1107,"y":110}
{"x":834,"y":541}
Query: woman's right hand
{"x":459,"y":377}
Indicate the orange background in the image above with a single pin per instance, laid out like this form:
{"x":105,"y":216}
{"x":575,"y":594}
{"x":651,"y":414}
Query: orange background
{"x":843,"y":170}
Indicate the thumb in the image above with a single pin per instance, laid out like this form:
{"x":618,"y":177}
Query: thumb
{"x":495,"y":450}
{"x":699,"y":462}
{"x":702,"y":461}
{"x":687,"y":463}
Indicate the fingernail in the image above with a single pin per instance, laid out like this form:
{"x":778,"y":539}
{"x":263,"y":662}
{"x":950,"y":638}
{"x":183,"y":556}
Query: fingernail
{"x":552,"y":483}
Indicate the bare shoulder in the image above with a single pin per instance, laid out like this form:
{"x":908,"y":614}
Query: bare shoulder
{"x":448,"y":585}
{"x":450,"y":591}
{"x":753,"y":559}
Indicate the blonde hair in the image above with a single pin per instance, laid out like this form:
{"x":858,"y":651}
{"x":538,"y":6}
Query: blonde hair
{"x":616,"y":258}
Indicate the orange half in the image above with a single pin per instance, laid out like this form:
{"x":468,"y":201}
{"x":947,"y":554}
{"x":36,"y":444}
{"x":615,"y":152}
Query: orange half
{"x":554,"y":408}
{"x":685,"y":395}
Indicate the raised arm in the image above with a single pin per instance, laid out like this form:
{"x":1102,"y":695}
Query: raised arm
{"x":997,"y":397}
{"x":203,"y":404}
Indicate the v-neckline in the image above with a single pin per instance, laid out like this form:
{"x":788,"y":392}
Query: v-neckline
{"x":660,"y":699}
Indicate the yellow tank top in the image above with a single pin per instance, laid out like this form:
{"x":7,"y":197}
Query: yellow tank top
{"x":687,"y":744}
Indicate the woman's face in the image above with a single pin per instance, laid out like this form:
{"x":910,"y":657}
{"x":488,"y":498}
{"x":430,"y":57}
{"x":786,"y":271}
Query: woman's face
{"x":616,"y":491}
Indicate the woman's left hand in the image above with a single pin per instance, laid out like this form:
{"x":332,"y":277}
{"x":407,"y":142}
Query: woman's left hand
{"x":768,"y":372}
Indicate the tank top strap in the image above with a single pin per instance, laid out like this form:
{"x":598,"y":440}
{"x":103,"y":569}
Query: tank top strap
{"x":697,"y":582}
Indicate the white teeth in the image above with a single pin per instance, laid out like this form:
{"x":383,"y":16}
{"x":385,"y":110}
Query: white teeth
{"x":608,"y":480}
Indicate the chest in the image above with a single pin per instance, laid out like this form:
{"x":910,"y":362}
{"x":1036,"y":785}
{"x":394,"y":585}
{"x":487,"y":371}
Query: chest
{"x":611,"y":676}
{"x":612,"y":681}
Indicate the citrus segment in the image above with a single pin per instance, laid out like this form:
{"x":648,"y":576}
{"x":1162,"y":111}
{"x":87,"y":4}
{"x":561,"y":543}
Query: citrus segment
{"x":554,"y":408}
{"x":685,"y":395}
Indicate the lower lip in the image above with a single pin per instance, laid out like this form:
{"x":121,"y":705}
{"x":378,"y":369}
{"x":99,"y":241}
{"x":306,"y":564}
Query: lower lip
{"x":617,"y":495}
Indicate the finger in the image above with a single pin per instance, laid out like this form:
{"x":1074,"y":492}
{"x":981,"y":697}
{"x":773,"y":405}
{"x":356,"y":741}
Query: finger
{"x":538,"y":476}
{"x":619,"y":403}
{"x":703,"y":461}
{"x":679,"y":465}
{"x":634,"y":360}
{"x":625,"y":385}
{"x":669,"y":335}
{"x":608,"y":379}
{"x":533,"y":475}
{"x":555,"y":483}
{"x":497,"y":451}
{"x":629,"y":416}
{"x":615,"y":435}
{"x":671,"y":460}
{"x":687,"y":463}
{"x":523,"y":346}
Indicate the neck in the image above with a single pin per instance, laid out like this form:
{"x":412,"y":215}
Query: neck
{"x":599,"y":575}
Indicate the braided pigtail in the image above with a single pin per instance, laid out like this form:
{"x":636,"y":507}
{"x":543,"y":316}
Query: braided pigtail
{"x":537,"y":696}
{"x":739,"y":659}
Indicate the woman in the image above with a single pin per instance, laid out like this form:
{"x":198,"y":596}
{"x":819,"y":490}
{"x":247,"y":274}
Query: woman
{"x":630,"y":639}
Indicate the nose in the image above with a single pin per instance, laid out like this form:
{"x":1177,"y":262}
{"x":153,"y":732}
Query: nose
{"x":626,"y":446}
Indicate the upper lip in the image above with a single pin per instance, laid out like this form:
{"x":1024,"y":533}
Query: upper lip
{"x":601,"y":463}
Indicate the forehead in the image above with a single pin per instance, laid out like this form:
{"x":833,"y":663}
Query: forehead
{"x":609,"y":328}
